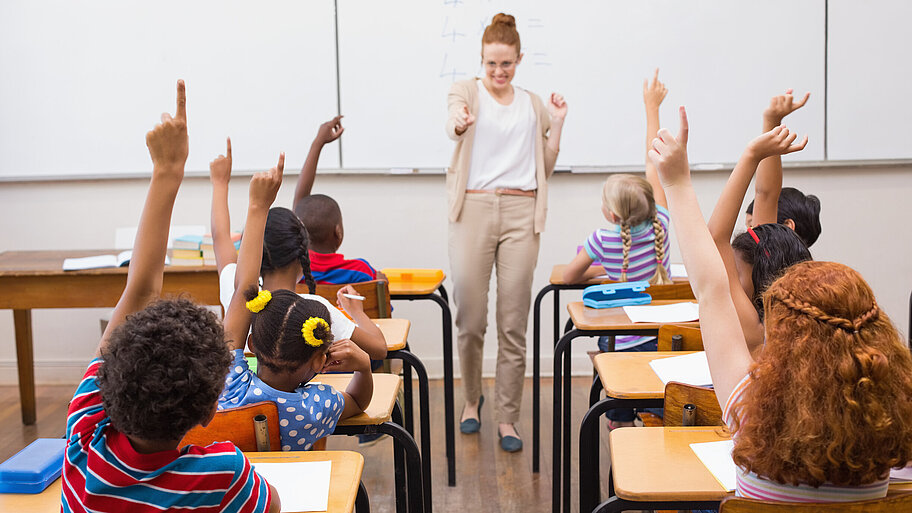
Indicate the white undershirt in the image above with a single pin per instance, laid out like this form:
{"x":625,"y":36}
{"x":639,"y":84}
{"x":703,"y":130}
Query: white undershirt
{"x":503,"y":152}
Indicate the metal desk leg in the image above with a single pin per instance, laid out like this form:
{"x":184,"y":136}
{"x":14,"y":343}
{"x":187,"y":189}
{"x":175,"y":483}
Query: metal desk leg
{"x":595,"y":391}
{"x":408,"y":406}
{"x":562,"y":345}
{"x":424,"y":415}
{"x":443,"y":293}
{"x":536,"y":375}
{"x":362,"y":501}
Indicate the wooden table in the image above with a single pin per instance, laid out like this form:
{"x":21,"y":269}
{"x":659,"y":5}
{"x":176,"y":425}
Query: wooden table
{"x":35,"y":279}
{"x":587,"y":322}
{"x":628,"y":382}
{"x":343,"y":484}
{"x":427,"y":284}
{"x":680,"y":289}
{"x":383,"y":415}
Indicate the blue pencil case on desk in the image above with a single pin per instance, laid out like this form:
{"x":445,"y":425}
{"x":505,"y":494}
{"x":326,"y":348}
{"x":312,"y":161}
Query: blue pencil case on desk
{"x":32,"y":469}
{"x":611,"y":295}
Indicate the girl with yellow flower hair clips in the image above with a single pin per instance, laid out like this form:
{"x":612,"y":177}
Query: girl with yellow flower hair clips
{"x":292,"y":338}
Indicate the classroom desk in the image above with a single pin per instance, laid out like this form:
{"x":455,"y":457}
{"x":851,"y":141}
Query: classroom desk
{"x":628,"y":382}
{"x":655,"y":468}
{"x":35,"y":279}
{"x":383,"y":415}
{"x":679,"y":290}
{"x":587,"y":322}
{"x":343,"y":485}
{"x":433,"y":290}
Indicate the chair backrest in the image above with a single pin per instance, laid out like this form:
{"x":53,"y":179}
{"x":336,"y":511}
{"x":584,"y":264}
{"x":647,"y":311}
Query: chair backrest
{"x":678,"y":394}
{"x":691,"y":338}
{"x":376,"y":296}
{"x":236,"y":425}
{"x":676,"y":290}
{"x":900,"y":502}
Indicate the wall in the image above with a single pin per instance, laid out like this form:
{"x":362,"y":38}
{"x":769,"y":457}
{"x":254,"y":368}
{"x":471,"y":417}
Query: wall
{"x":400,"y":221}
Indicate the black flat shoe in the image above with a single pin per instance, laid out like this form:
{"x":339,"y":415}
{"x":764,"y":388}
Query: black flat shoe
{"x":470,"y":426}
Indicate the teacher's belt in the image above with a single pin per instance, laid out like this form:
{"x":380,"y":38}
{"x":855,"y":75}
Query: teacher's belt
{"x":502,"y":192}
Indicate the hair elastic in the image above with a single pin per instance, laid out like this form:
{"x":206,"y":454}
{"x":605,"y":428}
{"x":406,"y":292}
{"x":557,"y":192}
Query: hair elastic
{"x":308,"y":330}
{"x":258,"y":303}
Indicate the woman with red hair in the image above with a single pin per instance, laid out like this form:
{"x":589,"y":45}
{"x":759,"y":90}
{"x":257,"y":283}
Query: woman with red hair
{"x":825,"y":411}
{"x":507,"y":142}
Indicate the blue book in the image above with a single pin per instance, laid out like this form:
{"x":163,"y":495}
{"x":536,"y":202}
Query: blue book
{"x":32,"y":469}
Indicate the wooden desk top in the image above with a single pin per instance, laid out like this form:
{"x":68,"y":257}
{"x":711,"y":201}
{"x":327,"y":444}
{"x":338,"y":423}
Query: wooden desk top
{"x":380,"y":409}
{"x":395,"y":331}
{"x":36,"y":279}
{"x":657,"y":464}
{"x":614,"y":318}
{"x":413,"y":281}
{"x":343,"y":485}
{"x":628,"y":375}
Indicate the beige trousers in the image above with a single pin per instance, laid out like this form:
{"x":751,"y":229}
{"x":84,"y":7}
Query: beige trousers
{"x":494,"y":231}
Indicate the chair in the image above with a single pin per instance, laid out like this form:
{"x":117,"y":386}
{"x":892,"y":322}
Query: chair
{"x":376,"y":296}
{"x":678,"y":394}
{"x":676,"y":290}
{"x":887,"y":504}
{"x":236,"y":425}
{"x":691,"y":338}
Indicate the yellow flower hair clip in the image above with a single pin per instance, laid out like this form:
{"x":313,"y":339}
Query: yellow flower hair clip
{"x":308,"y":330}
{"x":258,"y":303}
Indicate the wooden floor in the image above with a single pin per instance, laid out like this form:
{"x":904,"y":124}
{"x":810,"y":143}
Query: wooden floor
{"x":487,"y":478}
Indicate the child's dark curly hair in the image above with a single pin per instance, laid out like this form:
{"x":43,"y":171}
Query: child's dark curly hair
{"x":163,"y":370}
{"x":285,"y":240}
{"x":276,"y":335}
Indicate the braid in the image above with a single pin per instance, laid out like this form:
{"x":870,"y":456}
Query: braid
{"x":661,"y":274}
{"x":816,"y":313}
{"x":625,"y":239}
{"x":304,"y":259}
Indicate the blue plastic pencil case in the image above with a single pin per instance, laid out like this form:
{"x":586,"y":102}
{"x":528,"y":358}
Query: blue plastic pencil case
{"x":32,"y":469}
{"x":611,"y":295}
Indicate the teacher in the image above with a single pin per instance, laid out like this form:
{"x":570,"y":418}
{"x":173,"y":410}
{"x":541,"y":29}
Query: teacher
{"x":506,"y":146}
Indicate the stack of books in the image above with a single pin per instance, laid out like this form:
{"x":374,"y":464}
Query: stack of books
{"x":186,"y":251}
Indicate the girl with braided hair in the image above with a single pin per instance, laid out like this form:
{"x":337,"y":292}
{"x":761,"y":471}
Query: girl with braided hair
{"x":285,"y":260}
{"x":825,"y":410}
{"x":636,"y":247}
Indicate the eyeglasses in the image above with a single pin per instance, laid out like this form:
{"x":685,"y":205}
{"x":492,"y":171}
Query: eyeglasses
{"x":505,"y":65}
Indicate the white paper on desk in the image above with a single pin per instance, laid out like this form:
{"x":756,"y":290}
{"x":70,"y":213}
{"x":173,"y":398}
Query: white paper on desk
{"x":691,"y":369}
{"x":302,"y":485}
{"x":717,"y":456}
{"x":675,"y":312}
{"x":677,"y":271}
{"x":92,"y":262}
{"x":902,"y":475}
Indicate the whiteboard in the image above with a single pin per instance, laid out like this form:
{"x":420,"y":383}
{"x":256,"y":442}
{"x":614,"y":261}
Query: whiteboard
{"x":84,"y":81}
{"x":719,"y":58}
{"x":868,"y":80}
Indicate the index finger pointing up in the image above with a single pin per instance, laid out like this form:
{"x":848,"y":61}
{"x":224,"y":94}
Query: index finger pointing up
{"x":181,"y":101}
{"x":281,"y":165}
{"x":683,"y":131}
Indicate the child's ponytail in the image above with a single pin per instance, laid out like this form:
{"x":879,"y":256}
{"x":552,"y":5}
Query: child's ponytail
{"x":661,"y":275}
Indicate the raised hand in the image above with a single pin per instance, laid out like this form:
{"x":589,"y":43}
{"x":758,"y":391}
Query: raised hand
{"x":781,"y":106}
{"x":346,"y":356}
{"x":330,"y":131}
{"x":669,"y":154}
{"x":352,"y":306}
{"x":167,"y":142}
{"x":654,"y":92}
{"x":265,"y":185}
{"x":778,"y":141}
{"x":464,"y":120}
{"x":558,"y":107}
{"x":220,"y":168}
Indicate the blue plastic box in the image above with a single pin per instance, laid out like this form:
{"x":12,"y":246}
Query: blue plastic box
{"x":611,"y":295}
{"x":32,"y":469}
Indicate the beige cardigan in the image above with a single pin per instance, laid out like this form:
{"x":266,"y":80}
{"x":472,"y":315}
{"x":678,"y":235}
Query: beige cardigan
{"x":465,"y":93}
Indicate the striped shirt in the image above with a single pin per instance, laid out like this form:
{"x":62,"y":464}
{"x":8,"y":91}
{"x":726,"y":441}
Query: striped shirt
{"x":334,"y":269}
{"x":752,"y":486}
{"x":102,"y":471}
{"x":606,"y":248}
